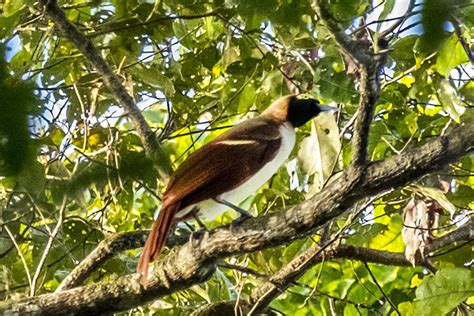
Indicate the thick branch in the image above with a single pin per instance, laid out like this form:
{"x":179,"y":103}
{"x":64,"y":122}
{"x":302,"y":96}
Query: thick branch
{"x":368,"y":66}
{"x":291,"y":272}
{"x":112,"y":81}
{"x":104,"y":251}
{"x":194,"y":262}
{"x":107,"y":248}
{"x":347,"y":45}
{"x":369,"y":87}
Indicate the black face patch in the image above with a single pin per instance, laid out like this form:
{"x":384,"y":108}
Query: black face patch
{"x":301,"y":111}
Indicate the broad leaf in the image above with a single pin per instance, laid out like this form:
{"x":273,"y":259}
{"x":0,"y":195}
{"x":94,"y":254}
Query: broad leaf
{"x":441,"y":293}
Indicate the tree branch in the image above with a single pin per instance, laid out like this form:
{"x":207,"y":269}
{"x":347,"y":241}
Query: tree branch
{"x":409,"y":12}
{"x":368,"y":65}
{"x":465,"y":45}
{"x":369,"y":88}
{"x":49,"y":244}
{"x":133,"y":23}
{"x":103,"y":252}
{"x":106,"y":249}
{"x":194,"y":262}
{"x":346,"y":44}
{"x":292,"y":271}
{"x":113,"y":83}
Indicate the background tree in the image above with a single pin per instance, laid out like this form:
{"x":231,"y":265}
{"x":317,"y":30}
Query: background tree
{"x":100,"y":99}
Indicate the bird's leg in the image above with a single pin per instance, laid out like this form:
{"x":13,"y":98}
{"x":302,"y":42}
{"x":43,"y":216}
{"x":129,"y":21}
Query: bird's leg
{"x":197,"y":233}
{"x":243,"y":213}
{"x":199,"y":221}
{"x":189,"y":226}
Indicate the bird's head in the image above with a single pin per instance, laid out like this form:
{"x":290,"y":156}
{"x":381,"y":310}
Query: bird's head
{"x":296,"y":110}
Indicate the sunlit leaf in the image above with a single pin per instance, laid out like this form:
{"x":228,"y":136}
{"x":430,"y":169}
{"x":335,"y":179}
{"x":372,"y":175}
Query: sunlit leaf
{"x":449,"y":99}
{"x":443,"y":292}
{"x":450,"y":55}
{"x":320,"y":152}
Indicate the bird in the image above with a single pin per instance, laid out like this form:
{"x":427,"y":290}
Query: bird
{"x":228,"y":169}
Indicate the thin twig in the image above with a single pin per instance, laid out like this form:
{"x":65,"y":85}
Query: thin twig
{"x":22,"y":258}
{"x":407,"y":71}
{"x":51,"y":238}
{"x":409,"y":12}
{"x":372,"y":276}
{"x":126,"y":25}
{"x":243,"y":270}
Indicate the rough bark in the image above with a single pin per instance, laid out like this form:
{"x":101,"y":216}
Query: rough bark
{"x":194,"y":262}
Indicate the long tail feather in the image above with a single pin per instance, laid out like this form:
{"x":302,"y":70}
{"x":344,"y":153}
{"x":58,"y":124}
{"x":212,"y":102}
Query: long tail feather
{"x":156,"y":240}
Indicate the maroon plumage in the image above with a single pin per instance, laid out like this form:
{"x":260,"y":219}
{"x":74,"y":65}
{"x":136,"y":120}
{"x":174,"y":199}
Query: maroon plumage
{"x":225,"y":164}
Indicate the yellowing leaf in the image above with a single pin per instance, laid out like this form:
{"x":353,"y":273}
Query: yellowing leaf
{"x":94,"y":139}
{"x":405,"y":308}
{"x":415,"y":281}
{"x":216,"y":70}
{"x":408,"y":80}
{"x":10,"y":7}
{"x":391,"y":238}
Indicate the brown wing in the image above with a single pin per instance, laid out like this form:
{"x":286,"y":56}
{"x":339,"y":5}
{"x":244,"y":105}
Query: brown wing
{"x":225,"y":162}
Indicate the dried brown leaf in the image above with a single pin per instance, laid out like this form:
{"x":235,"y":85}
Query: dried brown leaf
{"x":420,"y":218}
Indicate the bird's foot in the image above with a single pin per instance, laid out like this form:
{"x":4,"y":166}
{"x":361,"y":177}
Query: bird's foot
{"x":241,"y":219}
{"x":196,"y":235}
{"x":236,"y":222}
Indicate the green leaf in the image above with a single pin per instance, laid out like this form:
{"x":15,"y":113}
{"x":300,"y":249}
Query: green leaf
{"x":405,"y":308}
{"x":16,"y":103}
{"x":10,"y":7}
{"x":435,"y":13}
{"x":247,"y":98}
{"x":403,"y":51}
{"x":344,"y":10}
{"x":230,"y":56}
{"x":454,"y":257}
{"x":155,"y":114}
{"x":387,"y":9}
{"x":441,"y":293}
{"x":467,"y":92}
{"x":365,"y":233}
{"x":154,"y":77}
{"x":319,"y":152}
{"x":391,"y":238}
{"x":449,"y":99}
{"x":33,"y":178}
{"x":450,"y":55}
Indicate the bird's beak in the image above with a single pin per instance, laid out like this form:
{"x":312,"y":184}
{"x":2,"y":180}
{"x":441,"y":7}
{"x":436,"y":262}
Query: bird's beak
{"x":328,"y":108}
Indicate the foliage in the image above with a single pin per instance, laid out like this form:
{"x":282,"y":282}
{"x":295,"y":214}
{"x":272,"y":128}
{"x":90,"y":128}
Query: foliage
{"x":195,"y":68}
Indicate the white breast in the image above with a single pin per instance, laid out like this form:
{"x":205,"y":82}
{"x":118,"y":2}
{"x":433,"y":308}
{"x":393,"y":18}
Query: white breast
{"x":210,"y":209}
